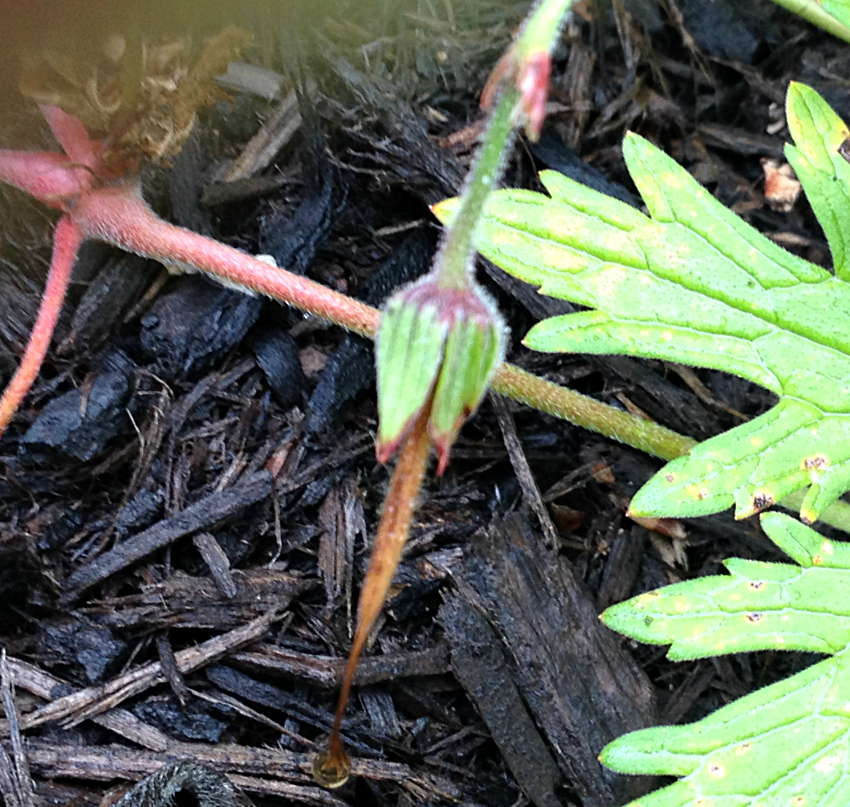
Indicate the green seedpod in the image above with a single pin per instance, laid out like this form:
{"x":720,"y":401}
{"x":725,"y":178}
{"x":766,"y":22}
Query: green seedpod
{"x":436,"y":347}
{"x":408,"y":356}
{"x":474,"y":348}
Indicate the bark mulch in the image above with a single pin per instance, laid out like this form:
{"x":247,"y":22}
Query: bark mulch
{"x":188,"y":495}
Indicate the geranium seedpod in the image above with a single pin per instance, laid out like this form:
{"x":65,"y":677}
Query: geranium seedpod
{"x":436,"y":347}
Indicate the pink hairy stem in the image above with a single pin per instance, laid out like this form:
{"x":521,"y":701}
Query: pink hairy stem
{"x":49,"y":177}
{"x":120,"y":216}
{"x":66,"y":242}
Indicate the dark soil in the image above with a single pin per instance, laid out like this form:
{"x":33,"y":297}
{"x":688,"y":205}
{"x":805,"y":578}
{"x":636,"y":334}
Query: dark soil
{"x":188,"y":495}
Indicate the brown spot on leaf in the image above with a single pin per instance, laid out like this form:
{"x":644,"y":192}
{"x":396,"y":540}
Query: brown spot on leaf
{"x":844,"y":149}
{"x":753,"y":618}
{"x":669,"y":477}
{"x":815,"y":463}
{"x":756,"y":585}
{"x":761,"y":501}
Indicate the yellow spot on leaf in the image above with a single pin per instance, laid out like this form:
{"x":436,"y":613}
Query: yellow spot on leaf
{"x":827,"y":764}
{"x":808,"y":516}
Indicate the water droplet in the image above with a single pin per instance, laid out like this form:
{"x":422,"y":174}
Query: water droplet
{"x":331,"y":773}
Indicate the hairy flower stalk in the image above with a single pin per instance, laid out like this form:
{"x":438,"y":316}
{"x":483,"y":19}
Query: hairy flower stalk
{"x":332,"y":767}
{"x":440,"y":341}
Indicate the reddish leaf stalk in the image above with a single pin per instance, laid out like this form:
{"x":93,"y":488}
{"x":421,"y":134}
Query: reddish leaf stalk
{"x":332,"y":767}
{"x":50,"y":178}
{"x":120,"y":216}
{"x":66,"y":242}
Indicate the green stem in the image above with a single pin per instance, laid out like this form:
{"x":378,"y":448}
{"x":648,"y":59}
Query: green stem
{"x":645,"y":435}
{"x":543,"y":26}
{"x":453,"y":264}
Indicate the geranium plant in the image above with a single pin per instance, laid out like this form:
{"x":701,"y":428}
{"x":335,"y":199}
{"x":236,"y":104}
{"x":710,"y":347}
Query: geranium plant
{"x":690,"y":282}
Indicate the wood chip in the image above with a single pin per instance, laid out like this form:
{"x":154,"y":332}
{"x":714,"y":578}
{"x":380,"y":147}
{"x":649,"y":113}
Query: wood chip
{"x":581,"y":688}
{"x":201,"y":515}
{"x":217,"y":562}
{"x":86,"y":703}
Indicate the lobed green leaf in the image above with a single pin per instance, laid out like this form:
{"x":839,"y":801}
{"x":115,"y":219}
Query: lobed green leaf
{"x":757,"y":606}
{"x":819,"y":162}
{"x":786,"y":744}
{"x":692,"y":283}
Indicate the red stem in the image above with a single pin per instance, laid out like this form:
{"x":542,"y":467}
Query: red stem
{"x":120,"y":216}
{"x":66,"y":242}
{"x":47,"y":176}
{"x":72,"y":136}
{"x":331,"y":768}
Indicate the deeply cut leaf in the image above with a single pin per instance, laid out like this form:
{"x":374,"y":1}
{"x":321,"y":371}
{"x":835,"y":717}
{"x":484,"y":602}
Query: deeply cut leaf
{"x":786,"y":744}
{"x":693,"y":283}
{"x":820,"y":162}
